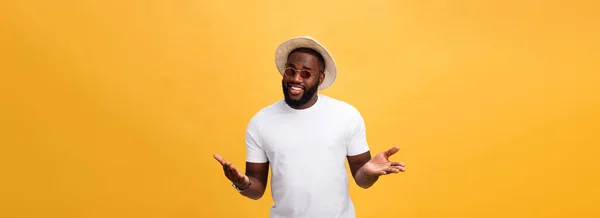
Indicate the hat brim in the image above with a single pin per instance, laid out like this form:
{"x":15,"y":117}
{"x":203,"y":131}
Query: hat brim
{"x":283,"y":50}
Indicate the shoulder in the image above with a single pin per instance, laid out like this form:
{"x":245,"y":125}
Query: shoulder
{"x":341,"y":106}
{"x":267,"y":112}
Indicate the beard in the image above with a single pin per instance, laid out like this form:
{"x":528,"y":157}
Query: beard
{"x":309,"y":92}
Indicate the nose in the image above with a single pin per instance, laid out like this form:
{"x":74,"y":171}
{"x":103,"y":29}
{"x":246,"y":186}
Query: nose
{"x":297,"y":77}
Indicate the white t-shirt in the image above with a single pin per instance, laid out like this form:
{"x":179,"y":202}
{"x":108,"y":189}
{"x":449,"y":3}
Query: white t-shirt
{"x":307,"y":151}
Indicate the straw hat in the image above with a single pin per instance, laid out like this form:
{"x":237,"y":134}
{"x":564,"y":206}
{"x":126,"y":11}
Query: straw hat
{"x":283,"y":50}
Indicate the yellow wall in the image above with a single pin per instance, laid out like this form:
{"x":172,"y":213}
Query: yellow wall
{"x":114,"y":108}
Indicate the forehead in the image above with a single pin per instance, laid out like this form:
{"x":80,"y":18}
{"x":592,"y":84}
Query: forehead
{"x":303,"y":59}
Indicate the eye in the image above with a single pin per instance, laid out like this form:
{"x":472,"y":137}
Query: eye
{"x":290,"y":72}
{"x":306,"y":74}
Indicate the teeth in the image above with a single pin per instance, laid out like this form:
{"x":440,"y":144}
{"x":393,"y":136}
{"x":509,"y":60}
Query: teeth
{"x":296,"y":88}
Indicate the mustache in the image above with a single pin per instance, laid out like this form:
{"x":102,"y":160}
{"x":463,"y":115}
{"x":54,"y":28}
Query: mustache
{"x":296,"y":84}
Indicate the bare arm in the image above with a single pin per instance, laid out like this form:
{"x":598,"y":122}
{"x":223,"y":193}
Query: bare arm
{"x":356,"y":163}
{"x":253,"y":183}
{"x":258,"y":174}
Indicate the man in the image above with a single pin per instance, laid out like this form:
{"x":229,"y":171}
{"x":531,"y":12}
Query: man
{"x":306,"y":138}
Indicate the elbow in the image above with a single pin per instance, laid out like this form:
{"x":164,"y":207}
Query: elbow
{"x":364,"y":186}
{"x":255,"y":197}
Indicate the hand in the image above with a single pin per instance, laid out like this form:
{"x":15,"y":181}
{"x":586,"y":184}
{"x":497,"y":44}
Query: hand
{"x":232,"y":173}
{"x":380,"y":165}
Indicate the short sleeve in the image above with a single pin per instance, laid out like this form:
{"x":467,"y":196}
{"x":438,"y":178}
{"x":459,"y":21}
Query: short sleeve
{"x":254,"y":149}
{"x":357,"y":141}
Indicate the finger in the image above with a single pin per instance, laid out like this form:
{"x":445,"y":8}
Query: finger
{"x":227,"y":171}
{"x":219,"y":158}
{"x":227,"y":168}
{"x":236,"y":173}
{"x":398,"y":164}
{"x":392,"y":151}
{"x":392,"y":171}
{"x":229,"y":165}
{"x":396,"y":169}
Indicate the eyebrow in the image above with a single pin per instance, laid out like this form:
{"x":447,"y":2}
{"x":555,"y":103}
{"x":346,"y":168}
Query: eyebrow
{"x":291,"y":65}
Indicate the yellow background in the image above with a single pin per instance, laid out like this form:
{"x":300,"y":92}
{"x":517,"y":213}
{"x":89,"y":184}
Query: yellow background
{"x":114,"y":108}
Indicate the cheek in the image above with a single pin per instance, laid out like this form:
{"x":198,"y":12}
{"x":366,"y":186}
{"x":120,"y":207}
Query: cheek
{"x":286,"y":80}
{"x":313,"y":82}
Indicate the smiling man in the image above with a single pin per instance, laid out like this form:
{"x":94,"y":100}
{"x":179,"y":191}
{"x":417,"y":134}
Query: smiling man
{"x":305,"y":139}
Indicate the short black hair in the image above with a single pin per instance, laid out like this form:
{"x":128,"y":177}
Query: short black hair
{"x":313,"y":52}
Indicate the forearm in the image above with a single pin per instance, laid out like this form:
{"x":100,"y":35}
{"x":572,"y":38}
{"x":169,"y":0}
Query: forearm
{"x":363,"y":180}
{"x":256,"y":189}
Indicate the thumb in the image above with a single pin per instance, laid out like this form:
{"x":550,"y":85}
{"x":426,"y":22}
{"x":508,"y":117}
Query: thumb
{"x":392,"y":151}
{"x":219,"y":158}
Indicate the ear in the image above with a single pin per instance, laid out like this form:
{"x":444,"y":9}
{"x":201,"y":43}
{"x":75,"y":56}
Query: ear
{"x":321,"y":78}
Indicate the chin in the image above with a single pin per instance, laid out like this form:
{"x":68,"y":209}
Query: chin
{"x":298,"y":101}
{"x":294,"y":98}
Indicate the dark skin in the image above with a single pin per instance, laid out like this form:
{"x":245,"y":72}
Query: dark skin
{"x":364,"y":169}
{"x":254,"y":181}
{"x":308,"y":62}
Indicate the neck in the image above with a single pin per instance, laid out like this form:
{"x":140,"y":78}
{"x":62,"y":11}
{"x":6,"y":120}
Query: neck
{"x":310,"y":103}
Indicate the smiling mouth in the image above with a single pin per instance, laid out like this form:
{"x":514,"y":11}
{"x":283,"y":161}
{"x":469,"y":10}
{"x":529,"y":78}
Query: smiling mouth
{"x":296,"y":89}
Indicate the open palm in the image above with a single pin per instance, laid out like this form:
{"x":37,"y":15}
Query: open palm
{"x":381,"y":165}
